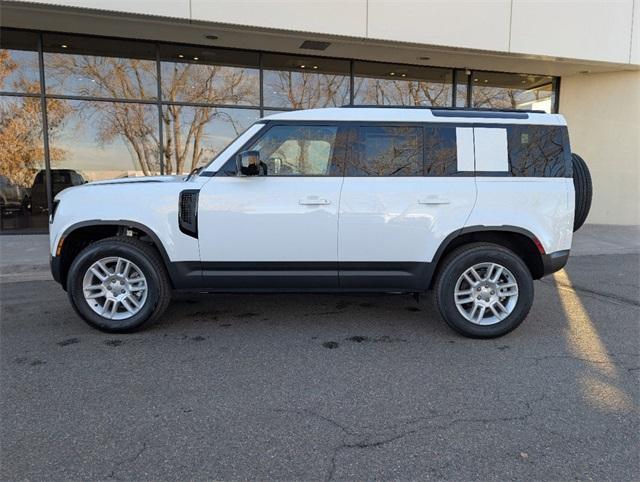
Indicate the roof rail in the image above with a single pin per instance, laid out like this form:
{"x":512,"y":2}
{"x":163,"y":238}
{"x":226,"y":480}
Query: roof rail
{"x":467,"y":109}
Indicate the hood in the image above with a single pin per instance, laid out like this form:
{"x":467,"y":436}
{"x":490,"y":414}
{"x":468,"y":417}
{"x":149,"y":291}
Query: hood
{"x":127,"y":180}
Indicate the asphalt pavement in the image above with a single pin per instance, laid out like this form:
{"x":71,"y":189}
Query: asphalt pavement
{"x":321,"y":387}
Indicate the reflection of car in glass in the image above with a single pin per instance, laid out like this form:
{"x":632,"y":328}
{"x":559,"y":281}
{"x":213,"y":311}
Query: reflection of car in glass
{"x":472,"y":204}
{"x":60,"y":179}
{"x":13,"y":198}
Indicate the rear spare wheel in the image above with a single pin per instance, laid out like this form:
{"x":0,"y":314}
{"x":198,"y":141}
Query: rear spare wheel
{"x":584,"y":190}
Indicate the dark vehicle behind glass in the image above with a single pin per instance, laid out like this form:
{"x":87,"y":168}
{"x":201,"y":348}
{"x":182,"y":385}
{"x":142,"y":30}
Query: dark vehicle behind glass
{"x":60,"y":179}
{"x":13,"y":197}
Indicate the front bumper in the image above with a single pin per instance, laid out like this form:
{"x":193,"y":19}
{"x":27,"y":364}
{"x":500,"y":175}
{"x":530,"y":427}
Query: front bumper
{"x":555,"y":261}
{"x":55,"y":263}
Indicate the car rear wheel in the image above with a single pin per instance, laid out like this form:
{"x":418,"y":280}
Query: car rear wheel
{"x":484,"y":290}
{"x":118,"y":284}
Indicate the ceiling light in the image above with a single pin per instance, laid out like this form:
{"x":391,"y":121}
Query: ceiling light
{"x":302,"y":66}
{"x":315,"y":66}
{"x":485,"y":81}
{"x":64,"y":46}
{"x":196,"y":58}
{"x":392,"y":73}
{"x":403,"y":75}
{"x":475,"y":80}
{"x":180,"y":56}
{"x":211,"y":37}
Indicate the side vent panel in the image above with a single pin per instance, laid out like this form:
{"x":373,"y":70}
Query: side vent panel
{"x":188,"y":212}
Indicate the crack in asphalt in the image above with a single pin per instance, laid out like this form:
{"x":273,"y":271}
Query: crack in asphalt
{"x":354,"y":440}
{"x":119,"y":464}
{"x":538,"y":359}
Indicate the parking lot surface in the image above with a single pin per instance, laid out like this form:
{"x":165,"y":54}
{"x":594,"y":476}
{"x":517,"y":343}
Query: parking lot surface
{"x":320,"y":387}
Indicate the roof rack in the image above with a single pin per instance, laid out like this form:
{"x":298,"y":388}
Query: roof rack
{"x":464,"y":109}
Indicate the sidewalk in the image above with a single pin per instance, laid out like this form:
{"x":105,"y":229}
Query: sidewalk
{"x":26,"y":257}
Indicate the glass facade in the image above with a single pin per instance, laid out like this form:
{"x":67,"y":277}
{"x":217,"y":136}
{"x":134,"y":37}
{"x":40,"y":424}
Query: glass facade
{"x":118,"y":108}
{"x":391,"y":84}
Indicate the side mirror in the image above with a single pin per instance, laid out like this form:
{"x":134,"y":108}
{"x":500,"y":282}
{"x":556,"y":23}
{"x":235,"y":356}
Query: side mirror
{"x":248,"y":163}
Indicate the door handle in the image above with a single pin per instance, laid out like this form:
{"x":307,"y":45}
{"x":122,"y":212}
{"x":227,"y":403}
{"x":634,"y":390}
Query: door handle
{"x":433,"y":200}
{"x":314,"y":201}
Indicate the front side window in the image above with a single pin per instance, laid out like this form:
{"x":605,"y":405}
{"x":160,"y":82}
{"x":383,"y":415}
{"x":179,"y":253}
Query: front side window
{"x":297,"y":150}
{"x":387,"y":151}
{"x":538,"y":151}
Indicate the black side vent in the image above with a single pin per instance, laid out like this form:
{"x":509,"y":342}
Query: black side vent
{"x":188,"y":212}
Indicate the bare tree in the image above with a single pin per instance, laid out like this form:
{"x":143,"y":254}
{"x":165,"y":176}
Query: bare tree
{"x":136,"y":123}
{"x":402,"y":92}
{"x":308,"y":90}
{"x":21,"y":133}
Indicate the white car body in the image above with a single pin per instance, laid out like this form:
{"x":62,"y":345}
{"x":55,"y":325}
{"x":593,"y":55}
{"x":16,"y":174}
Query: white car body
{"x":333,"y":232}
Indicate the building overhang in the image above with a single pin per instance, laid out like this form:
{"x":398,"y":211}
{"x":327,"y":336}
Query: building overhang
{"x":163,"y":29}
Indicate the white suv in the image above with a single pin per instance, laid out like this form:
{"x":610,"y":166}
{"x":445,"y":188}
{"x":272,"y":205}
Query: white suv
{"x":474,"y":204}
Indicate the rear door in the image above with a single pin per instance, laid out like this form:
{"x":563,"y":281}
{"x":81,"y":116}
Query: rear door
{"x":406,"y":188}
{"x":277,"y":230}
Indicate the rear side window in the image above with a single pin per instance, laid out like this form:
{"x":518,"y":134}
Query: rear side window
{"x":538,"y":151}
{"x":441,"y":153}
{"x":387,"y":151}
{"x":58,"y":177}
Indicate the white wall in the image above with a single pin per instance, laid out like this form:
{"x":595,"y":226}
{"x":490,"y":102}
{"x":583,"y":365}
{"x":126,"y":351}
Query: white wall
{"x":163,"y":8}
{"x":603,"y":115}
{"x":635,"y":39}
{"x":591,"y":30}
{"x":600,"y":29}
{"x":338,"y":17}
{"x":480,"y":24}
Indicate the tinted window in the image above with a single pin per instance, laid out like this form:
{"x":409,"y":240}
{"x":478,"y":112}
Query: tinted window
{"x":297,"y":150}
{"x":387,"y":151}
{"x":441,"y":154}
{"x":538,"y":151}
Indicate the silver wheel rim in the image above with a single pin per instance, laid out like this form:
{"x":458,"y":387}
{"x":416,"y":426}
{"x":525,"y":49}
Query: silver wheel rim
{"x":115,"y":288}
{"x":486,"y":293}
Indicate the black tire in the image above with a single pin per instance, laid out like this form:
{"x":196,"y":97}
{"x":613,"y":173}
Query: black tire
{"x":146,"y":258}
{"x":463,"y":258}
{"x":584,"y":191}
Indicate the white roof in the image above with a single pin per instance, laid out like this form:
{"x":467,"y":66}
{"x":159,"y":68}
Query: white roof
{"x":398,"y":114}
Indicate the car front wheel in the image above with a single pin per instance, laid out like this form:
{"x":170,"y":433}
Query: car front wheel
{"x":484,"y":290}
{"x":117,"y":284}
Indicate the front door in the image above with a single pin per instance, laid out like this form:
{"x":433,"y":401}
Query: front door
{"x":278,"y":229}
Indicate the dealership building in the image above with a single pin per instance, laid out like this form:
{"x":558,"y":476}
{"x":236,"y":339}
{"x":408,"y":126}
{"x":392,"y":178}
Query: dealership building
{"x":96,"y":89}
